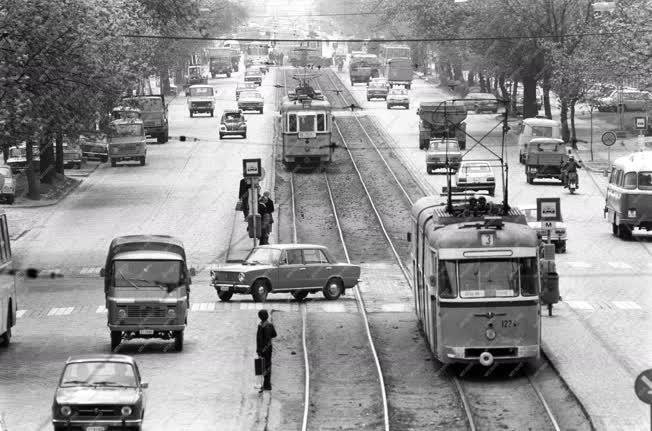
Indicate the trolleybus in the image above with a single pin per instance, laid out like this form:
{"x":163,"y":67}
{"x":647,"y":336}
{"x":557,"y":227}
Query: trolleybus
{"x":628,"y":203}
{"x":477,"y":282}
{"x":8,"y":303}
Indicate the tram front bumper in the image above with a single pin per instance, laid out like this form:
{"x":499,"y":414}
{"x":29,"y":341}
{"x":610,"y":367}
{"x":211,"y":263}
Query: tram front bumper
{"x":499,"y":354}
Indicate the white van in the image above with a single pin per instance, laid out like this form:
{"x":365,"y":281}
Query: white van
{"x":532,"y":128}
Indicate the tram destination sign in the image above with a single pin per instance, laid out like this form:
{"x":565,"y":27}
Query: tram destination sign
{"x":643,"y":386}
{"x":548,"y":209}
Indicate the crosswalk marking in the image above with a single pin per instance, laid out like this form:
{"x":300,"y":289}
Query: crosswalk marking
{"x":619,"y":265}
{"x":627,"y":305}
{"x":19,"y":313}
{"x":580,"y":305}
{"x":203,"y":306}
{"x":251,"y":306}
{"x":60,"y":311}
{"x":101,"y":309}
{"x":333,"y":308}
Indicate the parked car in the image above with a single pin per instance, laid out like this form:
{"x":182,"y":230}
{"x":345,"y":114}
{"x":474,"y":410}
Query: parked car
{"x":299,"y":269}
{"x":377,"y":90}
{"x":242,"y":86}
{"x":442,"y":153}
{"x":7,"y":184}
{"x":99,"y":392}
{"x":557,"y":235}
{"x":254,"y":75}
{"x":398,"y":97}
{"x":18,"y":157}
{"x":476,"y":176}
{"x":233,"y":122}
{"x":481,"y":102}
{"x":72,"y":155}
{"x":251,"y":100}
{"x":632,"y":100}
{"x":94,"y":145}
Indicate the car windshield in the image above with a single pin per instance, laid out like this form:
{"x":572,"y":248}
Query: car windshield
{"x":119,"y":130}
{"x":398,"y":91}
{"x":116,"y":374}
{"x":263,"y":256}
{"x":232,"y":117}
{"x":147,"y":273}
{"x":201,"y":91}
{"x":475,"y":168}
{"x":251,"y":94}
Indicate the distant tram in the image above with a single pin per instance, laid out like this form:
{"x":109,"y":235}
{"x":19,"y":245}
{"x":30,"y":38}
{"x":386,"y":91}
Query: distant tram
{"x":306,"y":125}
{"x":477,"y":282}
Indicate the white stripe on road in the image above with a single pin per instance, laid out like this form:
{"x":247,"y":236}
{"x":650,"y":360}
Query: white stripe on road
{"x":580,"y":305}
{"x":19,"y":313}
{"x":619,"y":265}
{"x":251,"y":306}
{"x":60,"y":311}
{"x":203,"y":306}
{"x":333,"y":308}
{"x":396,"y":308}
{"x":627,"y":305}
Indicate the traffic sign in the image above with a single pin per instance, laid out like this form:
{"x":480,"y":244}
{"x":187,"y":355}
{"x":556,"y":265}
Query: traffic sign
{"x":639,"y":123}
{"x":608,"y":138}
{"x":251,"y":168}
{"x":643,"y":386}
{"x":548,"y":224}
{"x":548,"y":209}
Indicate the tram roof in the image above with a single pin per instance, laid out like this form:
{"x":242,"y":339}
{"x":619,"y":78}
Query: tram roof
{"x":296,"y":105}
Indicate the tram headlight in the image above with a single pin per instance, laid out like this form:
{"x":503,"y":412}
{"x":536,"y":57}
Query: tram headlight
{"x":65,"y":410}
{"x":631,"y":213}
{"x":490,"y":334}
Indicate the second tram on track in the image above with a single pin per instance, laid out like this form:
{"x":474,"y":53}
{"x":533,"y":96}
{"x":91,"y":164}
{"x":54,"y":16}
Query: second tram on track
{"x":477,"y":281}
{"x":306,"y":129}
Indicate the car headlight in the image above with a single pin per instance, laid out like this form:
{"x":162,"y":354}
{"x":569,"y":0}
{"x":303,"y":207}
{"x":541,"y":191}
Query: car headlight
{"x":241,"y":277}
{"x":122,"y":313}
{"x":125,"y":411}
{"x":172,"y":313}
{"x":65,"y":410}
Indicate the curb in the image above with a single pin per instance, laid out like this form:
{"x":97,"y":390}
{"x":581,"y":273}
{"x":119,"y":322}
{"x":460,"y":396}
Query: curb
{"x":49,"y":202}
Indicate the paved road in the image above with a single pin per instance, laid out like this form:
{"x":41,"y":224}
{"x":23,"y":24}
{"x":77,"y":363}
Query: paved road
{"x":607,"y":308}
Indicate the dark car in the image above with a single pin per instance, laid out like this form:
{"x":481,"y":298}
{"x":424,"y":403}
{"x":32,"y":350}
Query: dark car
{"x":480,"y":102}
{"x":233,"y":122}
{"x":299,"y":269}
{"x":99,"y":392}
{"x":94,"y":145}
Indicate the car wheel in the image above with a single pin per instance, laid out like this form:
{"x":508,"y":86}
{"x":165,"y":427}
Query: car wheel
{"x":333,"y":289}
{"x":114,"y":163}
{"x":259,"y":291}
{"x":530,"y":179}
{"x":624,"y":232}
{"x":211,"y":112}
{"x":389,"y":106}
{"x":299,"y":295}
{"x":614,"y":229}
{"x":225,"y":296}
{"x":260,"y":110}
{"x":116,"y":338}
{"x":178,"y":341}
{"x":6,"y":337}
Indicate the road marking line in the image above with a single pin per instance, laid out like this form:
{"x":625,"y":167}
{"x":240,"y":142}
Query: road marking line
{"x":627,"y":305}
{"x":101,"y":309}
{"x":619,"y":265}
{"x":19,"y":313}
{"x":207,"y":306}
{"x":580,"y":305}
{"x":251,"y":306}
{"x":333,"y":308}
{"x":579,"y":264}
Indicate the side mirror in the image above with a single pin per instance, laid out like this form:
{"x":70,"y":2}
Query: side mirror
{"x":144,"y":385}
{"x":192,"y":272}
{"x":409,"y":237}
{"x":102,"y":272}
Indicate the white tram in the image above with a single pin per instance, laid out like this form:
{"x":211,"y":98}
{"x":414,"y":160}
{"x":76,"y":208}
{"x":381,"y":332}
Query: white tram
{"x":306,"y":125}
{"x":477,"y":282}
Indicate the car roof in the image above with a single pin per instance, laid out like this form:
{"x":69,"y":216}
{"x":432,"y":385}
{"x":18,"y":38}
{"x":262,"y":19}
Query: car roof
{"x":100,"y":357}
{"x":475,"y":162}
{"x":541,"y":122}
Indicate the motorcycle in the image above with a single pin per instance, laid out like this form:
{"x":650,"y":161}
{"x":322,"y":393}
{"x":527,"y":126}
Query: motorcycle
{"x":572,"y":182}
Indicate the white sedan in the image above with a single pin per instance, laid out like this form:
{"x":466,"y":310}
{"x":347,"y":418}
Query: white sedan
{"x":476,"y":176}
{"x":557,"y":235}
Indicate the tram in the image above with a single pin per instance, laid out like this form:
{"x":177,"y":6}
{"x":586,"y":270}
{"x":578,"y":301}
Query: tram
{"x":306,"y":125}
{"x":476,"y":276}
{"x":256,"y":53}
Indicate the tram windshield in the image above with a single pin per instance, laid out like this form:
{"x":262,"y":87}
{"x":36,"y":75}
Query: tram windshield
{"x":487,"y":278}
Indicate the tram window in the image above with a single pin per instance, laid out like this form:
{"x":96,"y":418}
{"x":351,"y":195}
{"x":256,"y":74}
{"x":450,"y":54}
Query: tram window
{"x":529,"y":277}
{"x":307,"y":123}
{"x":321,"y":122}
{"x":292,"y":123}
{"x":489,"y":278}
{"x":447,"y":279}
{"x":645,"y":180}
{"x":629,"y":181}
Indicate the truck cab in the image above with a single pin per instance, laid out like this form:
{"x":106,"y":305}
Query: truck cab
{"x":201,"y":99}
{"x":126,"y":141}
{"x":147,"y":288}
{"x":531,"y":128}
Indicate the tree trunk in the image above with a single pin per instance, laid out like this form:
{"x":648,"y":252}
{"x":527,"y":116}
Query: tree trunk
{"x":503,"y":89}
{"x":46,"y":150}
{"x":471,"y":78}
{"x":483,"y":82}
{"x":58,"y":167}
{"x":495,"y":85}
{"x":33,"y":185}
{"x":563,"y":117}
{"x":546,"y":95}
{"x":530,"y":97}
{"x":512,"y":99}
{"x":573,"y":135}
{"x":458,"y":75}
{"x":165,"y":81}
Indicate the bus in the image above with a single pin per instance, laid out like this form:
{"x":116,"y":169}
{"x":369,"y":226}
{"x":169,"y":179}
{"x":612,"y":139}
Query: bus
{"x":476,"y":279}
{"x":8,"y":301}
{"x":388,"y":52}
{"x":628,"y":203}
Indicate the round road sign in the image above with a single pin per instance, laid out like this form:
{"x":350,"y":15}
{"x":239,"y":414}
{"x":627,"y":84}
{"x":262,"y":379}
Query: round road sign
{"x":643,"y":386}
{"x":608,"y":138}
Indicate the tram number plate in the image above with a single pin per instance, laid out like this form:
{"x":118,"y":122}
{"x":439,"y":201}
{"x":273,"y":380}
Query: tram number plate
{"x":508,"y":323}
{"x":305,"y":135}
{"x":146,"y":332}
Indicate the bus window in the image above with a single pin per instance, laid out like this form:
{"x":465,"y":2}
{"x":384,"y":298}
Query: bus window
{"x":488,"y":278}
{"x":645,"y":180}
{"x":292,"y":123}
{"x":321,"y":122}
{"x":629,"y":180}
{"x":447,"y":279}
{"x":529,"y":276}
{"x":306,"y":123}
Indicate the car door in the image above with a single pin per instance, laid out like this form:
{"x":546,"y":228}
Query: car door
{"x":318,"y":269}
{"x":291,"y":270}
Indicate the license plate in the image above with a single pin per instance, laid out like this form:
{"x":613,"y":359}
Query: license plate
{"x":95,"y":428}
{"x":224,"y":289}
{"x":146,"y":332}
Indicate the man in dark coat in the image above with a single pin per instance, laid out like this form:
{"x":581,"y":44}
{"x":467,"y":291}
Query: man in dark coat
{"x":243,"y":195}
{"x":264,"y":337}
{"x":266,"y":208}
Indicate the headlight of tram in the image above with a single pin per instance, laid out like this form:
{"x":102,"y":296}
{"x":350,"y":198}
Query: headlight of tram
{"x":65,"y":410}
{"x":490,"y":333}
{"x":125,"y":411}
{"x":241,"y":277}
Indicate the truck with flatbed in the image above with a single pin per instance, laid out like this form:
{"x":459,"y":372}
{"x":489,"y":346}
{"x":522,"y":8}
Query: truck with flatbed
{"x":545,"y":158}
{"x":220,"y":63}
{"x":442,"y":119}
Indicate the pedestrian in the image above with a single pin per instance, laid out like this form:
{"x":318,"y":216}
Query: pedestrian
{"x":266,"y":208}
{"x":243,"y":196}
{"x":266,"y":332}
